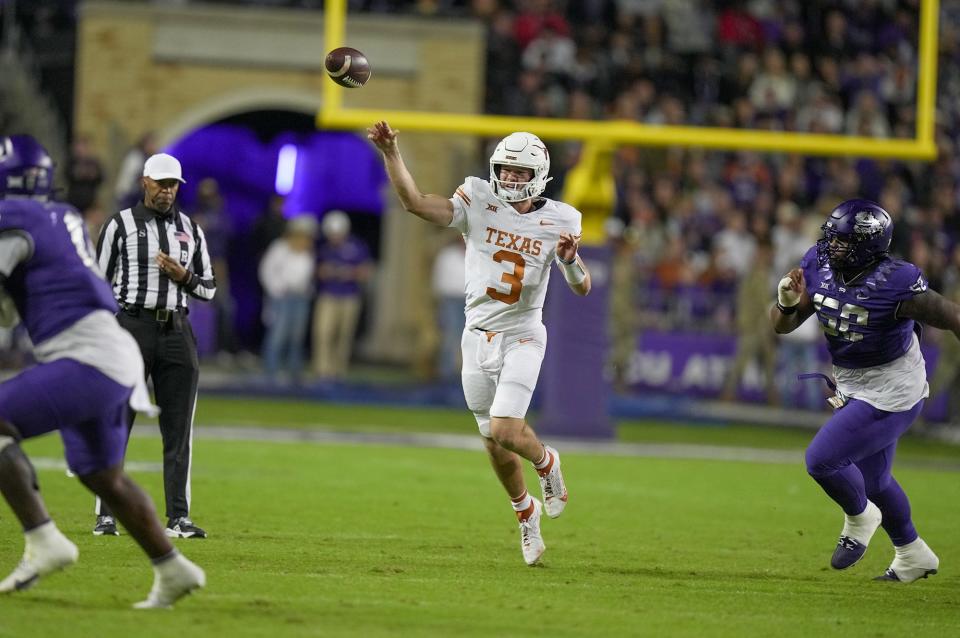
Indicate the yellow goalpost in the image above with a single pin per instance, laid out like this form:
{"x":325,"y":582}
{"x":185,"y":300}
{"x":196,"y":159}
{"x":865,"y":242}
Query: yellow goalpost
{"x":602,"y":137}
{"x":922,"y":147}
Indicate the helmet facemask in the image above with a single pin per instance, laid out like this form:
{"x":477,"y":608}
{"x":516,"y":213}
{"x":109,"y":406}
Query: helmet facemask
{"x":520,"y":150}
{"x":26,"y":169}
{"x":856,"y":236}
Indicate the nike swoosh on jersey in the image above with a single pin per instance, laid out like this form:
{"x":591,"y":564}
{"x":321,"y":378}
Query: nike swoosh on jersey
{"x":543,"y":223}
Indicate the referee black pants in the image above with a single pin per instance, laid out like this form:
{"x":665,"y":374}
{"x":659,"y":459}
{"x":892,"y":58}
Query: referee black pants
{"x":169,"y":351}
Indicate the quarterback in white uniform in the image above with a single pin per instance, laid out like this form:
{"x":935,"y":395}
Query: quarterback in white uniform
{"x":512,"y":236}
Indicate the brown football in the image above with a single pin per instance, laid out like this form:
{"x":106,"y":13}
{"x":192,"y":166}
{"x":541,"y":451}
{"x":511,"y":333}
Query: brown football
{"x":347,"y":67}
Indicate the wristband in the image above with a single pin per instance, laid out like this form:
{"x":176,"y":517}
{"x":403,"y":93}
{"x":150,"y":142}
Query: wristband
{"x":787,"y":310}
{"x":573,"y":272}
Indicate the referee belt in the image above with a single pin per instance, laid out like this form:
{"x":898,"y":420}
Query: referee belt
{"x":160,"y":315}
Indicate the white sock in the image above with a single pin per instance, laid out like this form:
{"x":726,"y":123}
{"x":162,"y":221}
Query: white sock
{"x":545,"y":461}
{"x":858,"y":527}
{"x":42,"y":534}
{"x":904,"y":551}
{"x":168,"y":565}
{"x":523,"y":503}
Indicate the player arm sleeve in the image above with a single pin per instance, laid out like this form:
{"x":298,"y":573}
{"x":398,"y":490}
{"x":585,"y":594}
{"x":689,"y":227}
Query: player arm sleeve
{"x":201,"y":283}
{"x":461,"y":200}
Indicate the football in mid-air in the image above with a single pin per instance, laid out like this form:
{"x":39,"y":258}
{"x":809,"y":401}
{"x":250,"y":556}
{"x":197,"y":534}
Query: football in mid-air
{"x":347,"y":67}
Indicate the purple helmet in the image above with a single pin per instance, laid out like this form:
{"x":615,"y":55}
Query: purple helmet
{"x":856,"y":235}
{"x":26,"y":168}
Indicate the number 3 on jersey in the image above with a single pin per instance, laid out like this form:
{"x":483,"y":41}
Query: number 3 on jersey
{"x":513,"y":279}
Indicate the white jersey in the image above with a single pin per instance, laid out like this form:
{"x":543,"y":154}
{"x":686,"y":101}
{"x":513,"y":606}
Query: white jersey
{"x":508,"y":255}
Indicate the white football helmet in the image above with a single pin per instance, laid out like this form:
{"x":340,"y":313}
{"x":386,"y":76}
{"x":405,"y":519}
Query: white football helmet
{"x":526,"y":151}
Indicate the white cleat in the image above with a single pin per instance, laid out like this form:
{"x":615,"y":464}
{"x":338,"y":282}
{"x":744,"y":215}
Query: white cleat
{"x":530,"y":540}
{"x":913,"y":561}
{"x":46,"y":551}
{"x":173,"y":579}
{"x":553,"y":487}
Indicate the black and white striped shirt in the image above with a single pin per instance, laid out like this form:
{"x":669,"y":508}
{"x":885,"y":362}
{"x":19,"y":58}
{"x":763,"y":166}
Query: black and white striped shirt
{"x":127,"y":251}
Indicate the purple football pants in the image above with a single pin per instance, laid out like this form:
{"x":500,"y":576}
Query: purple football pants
{"x":87,"y":407}
{"x":851,"y":458}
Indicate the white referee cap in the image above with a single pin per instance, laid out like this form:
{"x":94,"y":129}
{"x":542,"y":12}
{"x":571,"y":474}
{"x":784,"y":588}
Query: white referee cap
{"x":163,"y":166}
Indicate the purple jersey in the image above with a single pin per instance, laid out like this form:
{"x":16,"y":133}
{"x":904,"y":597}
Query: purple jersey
{"x":350,"y":254}
{"x":860,"y":320}
{"x":60,"y":282}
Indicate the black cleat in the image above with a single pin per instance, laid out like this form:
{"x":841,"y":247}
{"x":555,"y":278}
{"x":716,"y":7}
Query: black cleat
{"x":892,"y":575}
{"x":106,"y":526}
{"x":183,"y":527}
{"x":889,"y":575}
{"x":848,"y":553}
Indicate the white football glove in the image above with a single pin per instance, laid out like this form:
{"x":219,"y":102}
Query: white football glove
{"x":786,"y":295}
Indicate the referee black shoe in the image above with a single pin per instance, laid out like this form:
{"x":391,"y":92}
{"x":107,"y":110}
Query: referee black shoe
{"x":106,"y":526}
{"x":183,"y":527}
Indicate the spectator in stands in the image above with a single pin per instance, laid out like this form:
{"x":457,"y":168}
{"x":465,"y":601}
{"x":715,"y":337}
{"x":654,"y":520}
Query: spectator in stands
{"x":269,"y":225}
{"x":753,"y":343}
{"x":865,"y":118}
{"x":343,"y":267}
{"x":449,"y":275}
{"x":774,"y":90}
{"x":737,"y":29}
{"x":127,"y":189}
{"x":796,"y":355}
{"x":534,"y":15}
{"x":287,"y":275}
{"x":84,"y":175}
{"x":208,"y":211}
{"x":550,"y":52}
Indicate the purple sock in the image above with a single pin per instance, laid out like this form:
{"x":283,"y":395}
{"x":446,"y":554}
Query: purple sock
{"x":895,"y":505}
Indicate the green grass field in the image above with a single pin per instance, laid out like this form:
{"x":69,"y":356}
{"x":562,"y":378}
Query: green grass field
{"x":363,"y":540}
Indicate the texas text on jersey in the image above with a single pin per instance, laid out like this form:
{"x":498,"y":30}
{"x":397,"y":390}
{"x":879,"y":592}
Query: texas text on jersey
{"x":508,"y":254}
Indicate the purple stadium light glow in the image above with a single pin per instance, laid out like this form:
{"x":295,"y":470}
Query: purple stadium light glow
{"x":286,"y":169}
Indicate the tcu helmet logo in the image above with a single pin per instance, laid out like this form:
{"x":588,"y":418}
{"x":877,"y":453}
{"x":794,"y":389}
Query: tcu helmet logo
{"x":868,"y":224}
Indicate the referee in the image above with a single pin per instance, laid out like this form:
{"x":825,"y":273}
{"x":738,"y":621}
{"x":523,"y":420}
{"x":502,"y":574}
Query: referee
{"x":155,"y":257}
